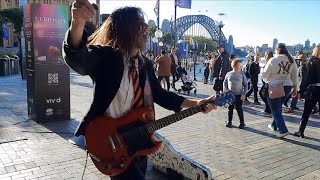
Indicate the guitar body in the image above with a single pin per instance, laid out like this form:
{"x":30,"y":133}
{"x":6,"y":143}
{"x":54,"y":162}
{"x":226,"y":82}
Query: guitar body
{"x":113,"y":143}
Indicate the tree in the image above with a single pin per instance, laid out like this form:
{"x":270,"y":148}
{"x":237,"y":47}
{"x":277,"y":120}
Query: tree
{"x":151,"y":30}
{"x":167,"y":39}
{"x":14,"y":16}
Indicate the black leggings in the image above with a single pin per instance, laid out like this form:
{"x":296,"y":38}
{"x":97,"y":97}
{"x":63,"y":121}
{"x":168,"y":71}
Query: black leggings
{"x":309,"y":105}
{"x":238,"y":105}
{"x":167,"y":79}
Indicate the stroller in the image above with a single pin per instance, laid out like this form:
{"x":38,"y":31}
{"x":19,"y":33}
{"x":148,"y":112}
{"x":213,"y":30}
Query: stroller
{"x":187,"y":83}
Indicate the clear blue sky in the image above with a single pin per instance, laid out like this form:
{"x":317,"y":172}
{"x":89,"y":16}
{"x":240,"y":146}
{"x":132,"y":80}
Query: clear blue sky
{"x":252,"y":22}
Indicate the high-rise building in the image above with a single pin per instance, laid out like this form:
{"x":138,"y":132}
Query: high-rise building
{"x":165,"y":26}
{"x":313,"y":46}
{"x":307,"y":45}
{"x":230,"y":44}
{"x":275,"y":42}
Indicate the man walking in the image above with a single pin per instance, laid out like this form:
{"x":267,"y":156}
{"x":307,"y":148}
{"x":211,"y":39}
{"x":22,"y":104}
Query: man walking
{"x":254,"y":71}
{"x":174,"y":64}
{"x":221,"y":67}
{"x":164,"y":68}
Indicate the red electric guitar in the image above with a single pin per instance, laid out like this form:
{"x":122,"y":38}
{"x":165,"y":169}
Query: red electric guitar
{"x":113,"y":143}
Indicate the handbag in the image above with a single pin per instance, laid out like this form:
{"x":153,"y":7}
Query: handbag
{"x":277,"y":90}
{"x":308,"y":93}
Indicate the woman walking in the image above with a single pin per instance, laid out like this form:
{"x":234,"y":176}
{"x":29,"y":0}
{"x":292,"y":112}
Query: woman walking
{"x":263,"y":91}
{"x":280,"y":69}
{"x":310,"y":85}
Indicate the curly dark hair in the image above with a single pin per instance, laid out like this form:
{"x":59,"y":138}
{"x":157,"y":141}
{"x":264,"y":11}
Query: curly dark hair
{"x":120,"y":30}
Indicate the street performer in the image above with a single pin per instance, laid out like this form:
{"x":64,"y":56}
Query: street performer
{"x":113,"y":60}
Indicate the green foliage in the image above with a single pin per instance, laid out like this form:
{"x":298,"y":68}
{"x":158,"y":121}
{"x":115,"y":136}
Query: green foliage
{"x":15,"y":16}
{"x":211,"y":45}
{"x":10,"y":54}
{"x":167,"y":39}
{"x":152,"y":30}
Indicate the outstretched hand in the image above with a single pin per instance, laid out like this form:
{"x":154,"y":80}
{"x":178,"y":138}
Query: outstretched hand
{"x":209,"y":106}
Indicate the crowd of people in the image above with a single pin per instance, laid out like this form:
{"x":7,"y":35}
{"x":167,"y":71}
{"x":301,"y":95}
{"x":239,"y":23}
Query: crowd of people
{"x":226,"y":72}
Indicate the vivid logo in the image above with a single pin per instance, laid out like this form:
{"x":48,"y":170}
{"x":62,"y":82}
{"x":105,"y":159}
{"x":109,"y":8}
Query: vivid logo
{"x":51,"y":101}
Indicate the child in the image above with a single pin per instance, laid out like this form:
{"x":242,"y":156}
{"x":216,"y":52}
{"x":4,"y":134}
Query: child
{"x":236,"y":82}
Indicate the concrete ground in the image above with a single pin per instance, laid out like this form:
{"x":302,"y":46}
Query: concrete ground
{"x":43,"y":151}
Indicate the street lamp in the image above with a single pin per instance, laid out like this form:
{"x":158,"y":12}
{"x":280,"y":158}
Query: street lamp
{"x":221,"y":19}
{"x":157,"y":36}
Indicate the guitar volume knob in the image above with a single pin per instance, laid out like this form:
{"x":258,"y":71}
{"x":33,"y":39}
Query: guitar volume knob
{"x":123,"y":158}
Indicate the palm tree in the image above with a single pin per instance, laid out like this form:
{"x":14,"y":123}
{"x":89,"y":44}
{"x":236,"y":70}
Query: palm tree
{"x":151,"y":30}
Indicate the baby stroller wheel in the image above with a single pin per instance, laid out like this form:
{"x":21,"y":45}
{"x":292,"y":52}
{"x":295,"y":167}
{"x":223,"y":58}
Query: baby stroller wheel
{"x":195,"y":91}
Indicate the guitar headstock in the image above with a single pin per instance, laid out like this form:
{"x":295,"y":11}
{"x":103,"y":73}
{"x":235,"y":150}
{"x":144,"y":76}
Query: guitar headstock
{"x":225,"y":99}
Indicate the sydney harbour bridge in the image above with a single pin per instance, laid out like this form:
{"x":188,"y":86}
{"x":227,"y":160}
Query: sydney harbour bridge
{"x":194,"y":26}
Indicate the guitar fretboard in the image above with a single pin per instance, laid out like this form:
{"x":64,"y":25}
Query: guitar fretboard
{"x":163,"y":122}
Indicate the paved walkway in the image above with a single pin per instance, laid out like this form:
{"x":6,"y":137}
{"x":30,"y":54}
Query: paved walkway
{"x":252,"y":153}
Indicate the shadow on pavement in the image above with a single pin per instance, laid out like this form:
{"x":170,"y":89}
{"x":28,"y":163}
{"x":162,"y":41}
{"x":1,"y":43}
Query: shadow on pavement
{"x":311,"y":146}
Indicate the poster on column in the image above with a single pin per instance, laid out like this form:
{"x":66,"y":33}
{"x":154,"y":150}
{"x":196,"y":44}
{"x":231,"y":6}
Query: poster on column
{"x":48,"y":80}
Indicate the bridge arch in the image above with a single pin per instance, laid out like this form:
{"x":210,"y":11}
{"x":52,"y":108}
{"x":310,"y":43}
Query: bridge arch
{"x":185,"y":22}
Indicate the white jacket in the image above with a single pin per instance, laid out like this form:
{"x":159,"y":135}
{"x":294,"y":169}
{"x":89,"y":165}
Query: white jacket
{"x":275,"y":72}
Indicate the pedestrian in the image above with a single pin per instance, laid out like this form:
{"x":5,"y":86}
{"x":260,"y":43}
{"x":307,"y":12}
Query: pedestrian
{"x":221,"y":67}
{"x":254,"y":71}
{"x":236,"y":82}
{"x":302,"y":59}
{"x":175,"y":63}
{"x":211,"y":67}
{"x":249,"y":59}
{"x":310,"y":89}
{"x":264,"y":89}
{"x":123,"y":78}
{"x":164,"y":68}
{"x":280,"y":71}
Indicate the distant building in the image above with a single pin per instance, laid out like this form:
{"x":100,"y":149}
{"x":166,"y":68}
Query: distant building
{"x":313,"y":46}
{"x":230,"y":46}
{"x":307,"y":45}
{"x":298,"y":47}
{"x":149,"y":42}
{"x":275,"y":42}
{"x":165,"y":26}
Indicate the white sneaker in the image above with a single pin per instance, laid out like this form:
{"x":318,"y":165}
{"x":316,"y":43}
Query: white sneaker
{"x":282,"y":135}
{"x":271,"y":127}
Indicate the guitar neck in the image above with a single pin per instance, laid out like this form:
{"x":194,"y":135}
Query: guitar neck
{"x":166,"y":121}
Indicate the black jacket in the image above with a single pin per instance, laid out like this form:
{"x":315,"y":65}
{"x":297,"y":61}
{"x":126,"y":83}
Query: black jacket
{"x":254,"y":70}
{"x":221,"y":66}
{"x":312,"y":76}
{"x":105,"y":66}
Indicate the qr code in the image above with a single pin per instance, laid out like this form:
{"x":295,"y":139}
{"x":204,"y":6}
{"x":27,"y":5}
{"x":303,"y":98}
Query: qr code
{"x":53,"y":78}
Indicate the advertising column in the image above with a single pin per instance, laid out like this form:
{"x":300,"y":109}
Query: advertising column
{"x":48,"y":77}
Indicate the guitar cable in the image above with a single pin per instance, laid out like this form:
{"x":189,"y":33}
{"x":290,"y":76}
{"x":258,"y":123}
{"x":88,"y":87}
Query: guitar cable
{"x":85,"y":166}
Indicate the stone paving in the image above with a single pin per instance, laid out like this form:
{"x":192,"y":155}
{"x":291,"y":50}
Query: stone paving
{"x":252,"y":153}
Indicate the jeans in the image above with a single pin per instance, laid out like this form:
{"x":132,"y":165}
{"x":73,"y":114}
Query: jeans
{"x":276,"y":110}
